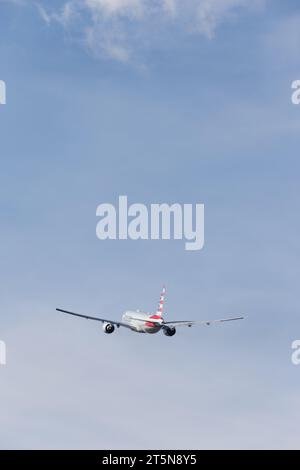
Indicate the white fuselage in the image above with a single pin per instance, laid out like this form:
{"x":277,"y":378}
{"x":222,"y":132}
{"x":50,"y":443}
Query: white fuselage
{"x":142,"y":322}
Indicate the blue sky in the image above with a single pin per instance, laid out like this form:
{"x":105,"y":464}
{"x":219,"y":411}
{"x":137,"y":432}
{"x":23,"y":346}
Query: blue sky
{"x":166,"y":104}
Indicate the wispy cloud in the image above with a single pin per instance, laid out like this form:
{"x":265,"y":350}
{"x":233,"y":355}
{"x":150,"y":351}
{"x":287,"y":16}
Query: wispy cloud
{"x":64,"y":16}
{"x":119,"y":28}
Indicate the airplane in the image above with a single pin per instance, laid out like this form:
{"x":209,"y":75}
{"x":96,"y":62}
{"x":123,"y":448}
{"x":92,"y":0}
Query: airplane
{"x":141,"y":322}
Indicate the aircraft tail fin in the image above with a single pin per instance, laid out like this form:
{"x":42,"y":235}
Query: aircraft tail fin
{"x":160,"y":308}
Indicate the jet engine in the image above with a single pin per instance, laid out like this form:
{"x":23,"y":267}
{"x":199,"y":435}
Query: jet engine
{"x":108,"y":328}
{"x":170,"y":331}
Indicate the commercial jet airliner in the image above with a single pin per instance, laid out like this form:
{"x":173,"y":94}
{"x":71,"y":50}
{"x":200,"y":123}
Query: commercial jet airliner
{"x":141,"y":322}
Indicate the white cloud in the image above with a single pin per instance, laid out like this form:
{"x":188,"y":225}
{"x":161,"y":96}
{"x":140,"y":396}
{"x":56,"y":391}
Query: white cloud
{"x":64,"y":16}
{"x":107,"y":43}
{"x":210,"y":13}
{"x":116,"y":7}
{"x":118,"y":28}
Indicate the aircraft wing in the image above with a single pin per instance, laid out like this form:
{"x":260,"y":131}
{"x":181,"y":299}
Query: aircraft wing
{"x":88,"y":317}
{"x":200,"y":322}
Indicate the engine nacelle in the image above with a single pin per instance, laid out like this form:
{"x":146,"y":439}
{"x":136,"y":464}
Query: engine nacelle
{"x":169,"y":331}
{"x":108,"y":328}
